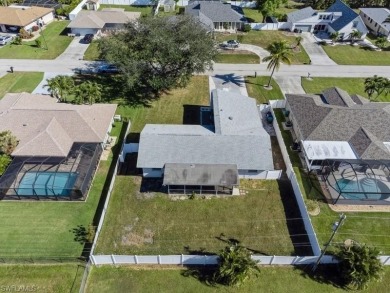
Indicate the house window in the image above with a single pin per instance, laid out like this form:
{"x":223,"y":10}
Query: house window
{"x":156,"y":169}
{"x":371,"y":21}
{"x":375,"y":25}
{"x":320,"y":16}
{"x":252,"y":171}
{"x":355,"y":24}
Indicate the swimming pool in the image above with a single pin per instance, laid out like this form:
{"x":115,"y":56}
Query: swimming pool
{"x":47,"y":183}
{"x":366,"y":188}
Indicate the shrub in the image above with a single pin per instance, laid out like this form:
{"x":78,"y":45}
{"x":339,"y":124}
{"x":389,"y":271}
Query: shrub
{"x":24,"y":34}
{"x":17,"y":41}
{"x":38,"y":43}
{"x":181,"y":10}
{"x":5,"y":160}
{"x":247,"y":28}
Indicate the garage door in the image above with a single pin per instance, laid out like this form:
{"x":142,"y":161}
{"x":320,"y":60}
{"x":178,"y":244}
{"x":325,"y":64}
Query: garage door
{"x":304,"y":28}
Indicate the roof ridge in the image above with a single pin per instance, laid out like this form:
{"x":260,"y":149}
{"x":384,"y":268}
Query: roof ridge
{"x":52,"y":121}
{"x":89,"y":126}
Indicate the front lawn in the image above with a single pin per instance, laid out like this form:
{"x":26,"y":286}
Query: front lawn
{"x":59,"y":278}
{"x":237,"y":58}
{"x":56,"y":39}
{"x":48,"y":228}
{"x":350,"y":85}
{"x":92,"y":52}
{"x":270,"y":279}
{"x":255,"y":87}
{"x":265,"y":38}
{"x":350,"y":55}
{"x":18,"y":82}
{"x":371,"y":228}
{"x":145,"y":10}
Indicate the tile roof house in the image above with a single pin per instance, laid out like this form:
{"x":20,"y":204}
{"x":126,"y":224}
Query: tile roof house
{"x":14,"y":18}
{"x":95,"y":22}
{"x":377,"y":20}
{"x":236,"y":144}
{"x":339,"y":17}
{"x":335,"y":125}
{"x":217,"y":15}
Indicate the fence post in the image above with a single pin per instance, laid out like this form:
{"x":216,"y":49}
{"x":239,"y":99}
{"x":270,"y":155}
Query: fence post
{"x":181,"y":259}
{"x":387,"y":259}
{"x":159,"y":259}
{"x":272,"y":260}
{"x":136,"y":259}
{"x":113,"y":259}
{"x":93,"y":260}
{"x":295,"y":260}
{"x":204,"y":260}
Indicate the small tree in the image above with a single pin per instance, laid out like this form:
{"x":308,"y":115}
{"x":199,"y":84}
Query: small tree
{"x":60,"y":86}
{"x":247,"y":28}
{"x":376,"y":84}
{"x":280,"y":52}
{"x":359,"y":265}
{"x":299,"y":41}
{"x":38,"y":43}
{"x":8,"y":142}
{"x":5,"y":160}
{"x":235,"y":266}
{"x":355,"y":35}
{"x":334,"y":36}
{"x":381,"y":42}
{"x":17,"y":40}
{"x":88,"y":92}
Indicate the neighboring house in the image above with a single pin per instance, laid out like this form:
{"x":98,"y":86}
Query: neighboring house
{"x":337,"y":18}
{"x":345,"y":140}
{"x":217,"y":15}
{"x":377,"y":20}
{"x":230,"y":142}
{"x":40,"y":3}
{"x":92,"y":4}
{"x":15,"y":18}
{"x":59,"y":145}
{"x":96,"y":22}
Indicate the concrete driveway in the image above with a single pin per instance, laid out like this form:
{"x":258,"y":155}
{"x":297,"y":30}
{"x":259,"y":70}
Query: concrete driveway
{"x":316,"y":54}
{"x":290,"y":84}
{"x":41,"y":89}
{"x":75,"y":50}
{"x":228,"y":82}
{"x":259,"y":51}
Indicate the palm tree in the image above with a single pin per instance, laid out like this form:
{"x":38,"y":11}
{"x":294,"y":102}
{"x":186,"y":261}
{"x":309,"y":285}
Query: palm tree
{"x":355,"y":35}
{"x":89,"y":92}
{"x":299,"y":41}
{"x":375,"y":84}
{"x":53,"y":87}
{"x":381,"y":42}
{"x":280,"y":52}
{"x":60,"y":86}
{"x":334,"y":36}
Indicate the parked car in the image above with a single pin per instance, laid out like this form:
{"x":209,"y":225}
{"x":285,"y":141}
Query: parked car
{"x":4,"y":40}
{"x":230,"y":44}
{"x":107,"y":68}
{"x":87,"y":38}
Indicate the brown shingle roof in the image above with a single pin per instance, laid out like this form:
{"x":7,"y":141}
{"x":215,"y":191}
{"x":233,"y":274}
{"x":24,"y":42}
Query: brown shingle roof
{"x":22,"y":16}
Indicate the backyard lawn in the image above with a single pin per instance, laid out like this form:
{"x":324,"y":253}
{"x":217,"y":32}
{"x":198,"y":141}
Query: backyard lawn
{"x":253,"y":15}
{"x":255,"y":87}
{"x":350,"y":55}
{"x":49,"y":228}
{"x":350,"y":85}
{"x":59,"y":278}
{"x":270,"y":279}
{"x":264,"y":38}
{"x":145,"y":10}
{"x":372,"y":228}
{"x":237,"y":58}
{"x":18,"y":82}
{"x":57,"y":41}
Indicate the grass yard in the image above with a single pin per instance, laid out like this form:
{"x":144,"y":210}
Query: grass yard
{"x":49,"y":228}
{"x":145,"y":10}
{"x":255,"y":87}
{"x":57,"y":42}
{"x":237,"y":58}
{"x":253,"y":15}
{"x":18,"y":82}
{"x":351,"y":85}
{"x":92,"y":52}
{"x":350,"y":55}
{"x":270,"y":279}
{"x":60,"y":278}
{"x":264,"y":38}
{"x":371,"y":228}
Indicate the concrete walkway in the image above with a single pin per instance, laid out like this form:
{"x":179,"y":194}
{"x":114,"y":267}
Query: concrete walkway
{"x":228,"y":82}
{"x":259,"y":51}
{"x":75,"y":50}
{"x":316,"y":54}
{"x":41,"y":89}
{"x":290,"y":84}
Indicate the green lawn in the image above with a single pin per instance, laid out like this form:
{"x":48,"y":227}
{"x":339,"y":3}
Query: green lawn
{"x":351,"y":85}
{"x":232,"y":58}
{"x":271,"y":279}
{"x":49,"y":228}
{"x":263,"y":39}
{"x":18,"y":82}
{"x":145,"y":10}
{"x":92,"y":52}
{"x":253,"y":15}
{"x":255,"y":87}
{"x":57,"y":42}
{"x":350,"y":55}
{"x":370,"y":228}
{"x":59,"y":278}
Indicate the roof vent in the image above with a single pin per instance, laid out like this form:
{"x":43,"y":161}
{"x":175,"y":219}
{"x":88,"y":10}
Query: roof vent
{"x":192,"y":165}
{"x":24,"y":124}
{"x":230,"y":117}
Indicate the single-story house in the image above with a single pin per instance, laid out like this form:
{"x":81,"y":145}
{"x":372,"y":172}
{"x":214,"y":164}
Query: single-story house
{"x":230,"y":143}
{"x":59,"y":145}
{"x":96,"y":22}
{"x":339,"y":17}
{"x":15,"y":18}
{"x":345,"y":139}
{"x":377,"y":20}
{"x":217,"y":15}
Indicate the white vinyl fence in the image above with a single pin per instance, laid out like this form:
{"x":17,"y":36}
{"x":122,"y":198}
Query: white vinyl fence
{"x":202,"y":260}
{"x":78,"y":8}
{"x":270,"y":26}
{"x":129,"y":2}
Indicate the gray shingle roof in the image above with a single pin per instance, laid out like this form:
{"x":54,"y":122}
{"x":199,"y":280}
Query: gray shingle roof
{"x":379,"y":15}
{"x":356,"y":124}
{"x":246,"y":147}
{"x":98,"y":19}
{"x":338,"y":97}
{"x":301,"y":14}
{"x":347,"y":16}
{"x":200,"y":174}
{"x":216,"y":11}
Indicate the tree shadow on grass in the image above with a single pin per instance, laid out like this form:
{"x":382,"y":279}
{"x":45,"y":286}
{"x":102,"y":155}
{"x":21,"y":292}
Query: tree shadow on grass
{"x":234,"y":241}
{"x":80,"y":234}
{"x":324,"y":274}
{"x":204,"y":274}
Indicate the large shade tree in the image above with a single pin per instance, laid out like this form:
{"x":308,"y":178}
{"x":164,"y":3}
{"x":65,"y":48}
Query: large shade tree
{"x":280,"y":52}
{"x":156,"y":54}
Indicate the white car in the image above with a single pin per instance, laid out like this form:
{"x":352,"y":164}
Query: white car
{"x":4,"y":40}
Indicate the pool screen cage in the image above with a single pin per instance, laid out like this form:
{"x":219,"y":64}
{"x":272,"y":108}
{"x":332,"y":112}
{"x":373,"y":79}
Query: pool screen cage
{"x":52,"y":178}
{"x":357,"y":181}
{"x":41,"y":3}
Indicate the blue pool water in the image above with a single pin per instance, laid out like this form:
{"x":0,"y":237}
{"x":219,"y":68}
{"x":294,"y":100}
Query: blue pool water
{"x":366,"y":188}
{"x":47,"y":183}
